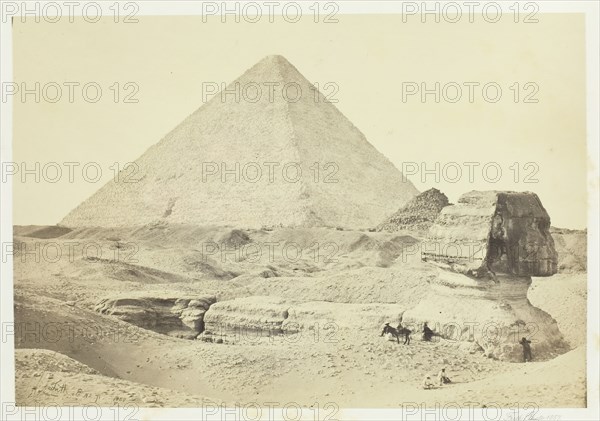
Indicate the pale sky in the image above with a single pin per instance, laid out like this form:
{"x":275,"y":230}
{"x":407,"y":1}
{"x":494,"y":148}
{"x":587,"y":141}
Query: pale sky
{"x":368,"y":57}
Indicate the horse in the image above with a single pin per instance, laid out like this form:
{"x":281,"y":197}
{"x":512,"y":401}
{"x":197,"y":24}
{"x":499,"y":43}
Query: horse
{"x":397,"y":332}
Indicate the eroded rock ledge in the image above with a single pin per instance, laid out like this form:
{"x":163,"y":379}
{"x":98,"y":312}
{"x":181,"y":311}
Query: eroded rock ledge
{"x":268,"y":316}
{"x":247,"y":318}
{"x":175,"y":316}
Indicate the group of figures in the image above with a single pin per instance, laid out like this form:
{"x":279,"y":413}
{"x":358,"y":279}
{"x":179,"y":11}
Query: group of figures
{"x":428,"y":334}
{"x":399,"y":331}
{"x":441,"y":377}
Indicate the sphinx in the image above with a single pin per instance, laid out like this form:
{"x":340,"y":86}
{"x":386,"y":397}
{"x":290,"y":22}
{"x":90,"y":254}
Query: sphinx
{"x":486,"y":249}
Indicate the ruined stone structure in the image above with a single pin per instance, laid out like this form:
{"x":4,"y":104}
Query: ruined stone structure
{"x":487,"y":247}
{"x":418,"y":215}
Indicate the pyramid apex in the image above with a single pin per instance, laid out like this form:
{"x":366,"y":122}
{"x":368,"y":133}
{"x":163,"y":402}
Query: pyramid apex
{"x":274,"y":68}
{"x":275,"y":61}
{"x":275,"y":58}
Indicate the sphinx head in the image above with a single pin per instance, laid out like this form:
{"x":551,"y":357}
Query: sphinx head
{"x":494,"y":233}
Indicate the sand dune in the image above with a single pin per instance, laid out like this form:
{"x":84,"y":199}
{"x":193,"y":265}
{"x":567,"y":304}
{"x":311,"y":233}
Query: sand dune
{"x":334,"y":308}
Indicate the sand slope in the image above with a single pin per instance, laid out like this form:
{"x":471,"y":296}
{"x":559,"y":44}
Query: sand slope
{"x":337,"y":355}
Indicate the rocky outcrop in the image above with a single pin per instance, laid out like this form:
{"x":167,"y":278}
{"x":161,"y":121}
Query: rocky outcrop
{"x":418,"y":214}
{"x":175,"y":316}
{"x":313,"y":315}
{"x":258,"y":314}
{"x":487,"y":247}
{"x":571,"y":246}
{"x":250,"y":318}
{"x":234,"y":239}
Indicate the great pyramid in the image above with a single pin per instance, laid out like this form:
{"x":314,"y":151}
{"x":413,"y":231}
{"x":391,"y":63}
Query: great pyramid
{"x":268,"y":138}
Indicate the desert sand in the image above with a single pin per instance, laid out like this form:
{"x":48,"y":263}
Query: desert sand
{"x":283,"y":329}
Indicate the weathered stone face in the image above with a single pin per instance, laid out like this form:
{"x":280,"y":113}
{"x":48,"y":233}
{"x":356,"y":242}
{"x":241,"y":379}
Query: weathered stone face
{"x":487,"y":247}
{"x":488,"y":233}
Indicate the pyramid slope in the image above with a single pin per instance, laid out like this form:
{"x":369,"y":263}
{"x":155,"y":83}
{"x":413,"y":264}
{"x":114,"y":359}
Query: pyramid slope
{"x":174,"y":180}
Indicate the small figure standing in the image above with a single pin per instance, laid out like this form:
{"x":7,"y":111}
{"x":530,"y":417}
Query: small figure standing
{"x":442,"y":377}
{"x":427,"y":333}
{"x":428,"y":383}
{"x":526,"y":350}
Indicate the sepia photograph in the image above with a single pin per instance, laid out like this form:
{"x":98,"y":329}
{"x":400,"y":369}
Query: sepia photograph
{"x":311,"y":210}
